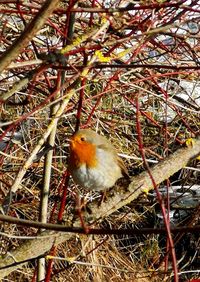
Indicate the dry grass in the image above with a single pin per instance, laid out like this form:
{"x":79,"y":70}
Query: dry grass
{"x":113,"y":98}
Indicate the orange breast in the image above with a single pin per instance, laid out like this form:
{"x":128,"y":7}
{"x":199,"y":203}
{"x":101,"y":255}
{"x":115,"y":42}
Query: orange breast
{"x":82,"y":153}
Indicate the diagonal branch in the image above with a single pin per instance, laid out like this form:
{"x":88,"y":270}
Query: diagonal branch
{"x":139,"y":184}
{"x":30,"y":31}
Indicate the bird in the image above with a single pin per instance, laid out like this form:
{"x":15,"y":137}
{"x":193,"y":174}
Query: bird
{"x":93,"y":161}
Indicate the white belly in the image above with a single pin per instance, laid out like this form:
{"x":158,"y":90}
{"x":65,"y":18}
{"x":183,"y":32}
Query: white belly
{"x":102,"y":177}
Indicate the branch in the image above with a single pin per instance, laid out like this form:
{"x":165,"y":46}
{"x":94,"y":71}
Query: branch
{"x":139,"y":184}
{"x":94,"y":231}
{"x":30,"y":31}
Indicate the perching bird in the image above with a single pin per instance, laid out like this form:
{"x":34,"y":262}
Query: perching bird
{"x":94,"y":163}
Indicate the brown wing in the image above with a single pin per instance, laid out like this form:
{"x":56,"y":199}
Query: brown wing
{"x":109,"y":147}
{"x":123,"y":167}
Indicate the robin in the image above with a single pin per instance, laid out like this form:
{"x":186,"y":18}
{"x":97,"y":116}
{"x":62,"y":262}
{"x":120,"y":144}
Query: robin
{"x":94,"y":163}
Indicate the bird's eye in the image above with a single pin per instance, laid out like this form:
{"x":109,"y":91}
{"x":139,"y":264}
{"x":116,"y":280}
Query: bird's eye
{"x":82,"y":138}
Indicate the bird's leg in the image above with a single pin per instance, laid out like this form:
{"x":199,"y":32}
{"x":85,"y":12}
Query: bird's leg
{"x":103,"y":198}
{"x":80,"y":205}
